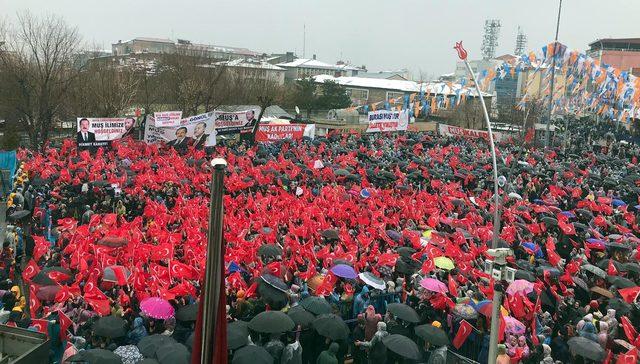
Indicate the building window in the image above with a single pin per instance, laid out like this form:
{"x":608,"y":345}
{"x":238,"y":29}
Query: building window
{"x":358,"y":94}
{"x":395,"y":96}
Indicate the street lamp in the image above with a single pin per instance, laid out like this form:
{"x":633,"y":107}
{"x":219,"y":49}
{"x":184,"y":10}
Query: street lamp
{"x":213,"y":293}
{"x":495,"y":320}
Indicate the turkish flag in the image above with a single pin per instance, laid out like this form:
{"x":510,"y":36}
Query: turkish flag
{"x":567,"y":227}
{"x":463,"y":333}
{"x":65,"y":324}
{"x":181,"y":270}
{"x":57,"y":276}
{"x":629,"y":294}
{"x":630,"y":357}
{"x":30,"y":271}
{"x":427,"y":266}
{"x":93,"y":292}
{"x":34,"y":302}
{"x":163,"y":251}
{"x":453,"y":287}
{"x":629,"y":330}
{"x":102,"y":307}
{"x":40,"y":325}
{"x":611,"y":270}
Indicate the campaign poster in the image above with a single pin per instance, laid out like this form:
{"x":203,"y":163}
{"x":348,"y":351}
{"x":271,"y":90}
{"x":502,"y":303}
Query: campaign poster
{"x":99,"y":132}
{"x":235,"y":122}
{"x":450,"y":130}
{"x":167,"y":118}
{"x":196,"y":131}
{"x":273,"y":132}
{"x":385,"y":120}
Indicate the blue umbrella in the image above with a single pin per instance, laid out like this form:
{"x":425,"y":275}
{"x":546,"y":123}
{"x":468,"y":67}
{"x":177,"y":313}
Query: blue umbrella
{"x":538,"y":201}
{"x":617,"y":203}
{"x":569,"y":214}
{"x":537,"y":252}
{"x":596,"y":241}
{"x":344,"y":271}
{"x":364,"y":193}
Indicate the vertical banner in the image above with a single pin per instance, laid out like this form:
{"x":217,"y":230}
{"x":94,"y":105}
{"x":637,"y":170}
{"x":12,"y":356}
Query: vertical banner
{"x":385,"y":120}
{"x":167,"y":118}
{"x":99,"y":132}
{"x":196,"y":131}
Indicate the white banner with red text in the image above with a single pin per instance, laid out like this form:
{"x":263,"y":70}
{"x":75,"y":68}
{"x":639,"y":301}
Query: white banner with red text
{"x":273,"y":132}
{"x":450,"y":130}
{"x":385,"y":120}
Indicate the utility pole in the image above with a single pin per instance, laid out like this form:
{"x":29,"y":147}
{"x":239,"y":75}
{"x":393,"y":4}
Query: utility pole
{"x":553,"y":78}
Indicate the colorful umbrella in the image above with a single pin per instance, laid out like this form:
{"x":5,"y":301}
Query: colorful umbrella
{"x":514,"y":326}
{"x":156,"y":307}
{"x":433,"y":285}
{"x":443,"y":263}
{"x":344,"y":271}
{"x":520,"y":286}
{"x":464,"y":311}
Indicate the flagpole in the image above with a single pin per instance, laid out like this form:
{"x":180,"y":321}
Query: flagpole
{"x":214,"y":280}
{"x":553,"y":77}
{"x":495,"y":321}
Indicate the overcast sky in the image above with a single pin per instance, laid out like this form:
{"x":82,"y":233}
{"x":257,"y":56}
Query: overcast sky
{"x":415,"y":34}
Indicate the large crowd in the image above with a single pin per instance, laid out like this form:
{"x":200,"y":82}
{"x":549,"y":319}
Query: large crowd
{"x":362,"y":247}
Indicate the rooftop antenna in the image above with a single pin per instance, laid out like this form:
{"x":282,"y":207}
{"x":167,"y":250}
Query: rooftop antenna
{"x":304,"y":40}
{"x":521,"y":42}
{"x":490,"y":38}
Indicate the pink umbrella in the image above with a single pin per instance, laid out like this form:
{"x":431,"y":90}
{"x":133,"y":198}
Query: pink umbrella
{"x":433,"y":285}
{"x":156,"y":307}
{"x":520,"y":286}
{"x":514,"y":326}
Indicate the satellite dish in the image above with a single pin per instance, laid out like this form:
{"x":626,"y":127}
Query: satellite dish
{"x":297,"y":110}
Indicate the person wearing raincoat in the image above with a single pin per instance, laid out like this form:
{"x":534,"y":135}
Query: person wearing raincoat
{"x":138,"y":331}
{"x":361,"y":301}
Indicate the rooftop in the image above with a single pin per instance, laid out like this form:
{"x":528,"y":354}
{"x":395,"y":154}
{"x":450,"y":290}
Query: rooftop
{"x":309,"y":63}
{"x":439,"y":88}
{"x":250,"y":63}
{"x":635,"y":41}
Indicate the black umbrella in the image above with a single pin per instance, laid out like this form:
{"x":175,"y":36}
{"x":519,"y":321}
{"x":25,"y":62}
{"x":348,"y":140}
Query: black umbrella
{"x":252,"y":354}
{"x":432,"y":334}
{"x":604,"y":264}
{"x":584,"y":214}
{"x":526,"y":275}
{"x":581,"y":283}
{"x":632,"y":267}
{"x":95,"y":356}
{"x":274,"y":282}
{"x":594,"y":270}
{"x":331,"y":326}
{"x":272,"y":295}
{"x":406,"y":265}
{"x":271,"y":322}
{"x":301,"y":316}
{"x":316,"y":305}
{"x":187,"y":313}
{"x":550,"y":221}
{"x":615,"y":245}
{"x":269,"y":250}
{"x":21,"y":214}
{"x":44,"y":277}
{"x":581,"y":346}
{"x":237,"y":334}
{"x":110,"y":327}
{"x":148,"y":345}
{"x":330,"y":234}
{"x":622,"y":308}
{"x":580,"y":226}
{"x":405,"y":251}
{"x":402,"y":346}
{"x":553,"y":272}
{"x":621,"y":282}
{"x":403,"y":312}
{"x":173,"y":354}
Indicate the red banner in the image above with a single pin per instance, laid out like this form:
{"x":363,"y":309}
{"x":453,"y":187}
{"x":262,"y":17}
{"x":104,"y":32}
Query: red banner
{"x":275,"y":132}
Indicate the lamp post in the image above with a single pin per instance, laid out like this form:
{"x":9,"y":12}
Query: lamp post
{"x":495,"y":321}
{"x":214,"y":279}
{"x":553,"y":78}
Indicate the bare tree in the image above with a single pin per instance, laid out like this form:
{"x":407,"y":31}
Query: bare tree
{"x":263,"y":93}
{"x":104,"y":91}
{"x":36,"y":73}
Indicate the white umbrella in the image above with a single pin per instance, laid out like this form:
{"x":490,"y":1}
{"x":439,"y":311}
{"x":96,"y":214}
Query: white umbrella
{"x":515,"y":195}
{"x":371,"y":280}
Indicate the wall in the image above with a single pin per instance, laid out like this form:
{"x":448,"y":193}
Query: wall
{"x":622,"y":60}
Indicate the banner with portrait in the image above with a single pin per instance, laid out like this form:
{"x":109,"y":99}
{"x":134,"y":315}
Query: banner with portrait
{"x":167,"y":118}
{"x":99,"y":132}
{"x":386,"y":120}
{"x":196,"y":131}
{"x":273,"y":132}
{"x":235,"y":122}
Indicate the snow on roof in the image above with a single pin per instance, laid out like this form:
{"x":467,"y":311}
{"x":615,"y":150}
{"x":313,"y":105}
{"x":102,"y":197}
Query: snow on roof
{"x":248,"y":63}
{"x":439,"y":88}
{"x":149,"y":39}
{"x":310,"y":63}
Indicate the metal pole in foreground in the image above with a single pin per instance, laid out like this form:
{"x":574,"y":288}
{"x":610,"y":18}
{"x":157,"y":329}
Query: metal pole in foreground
{"x":495,"y":320}
{"x":553,"y":78}
{"x":213,"y":281}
